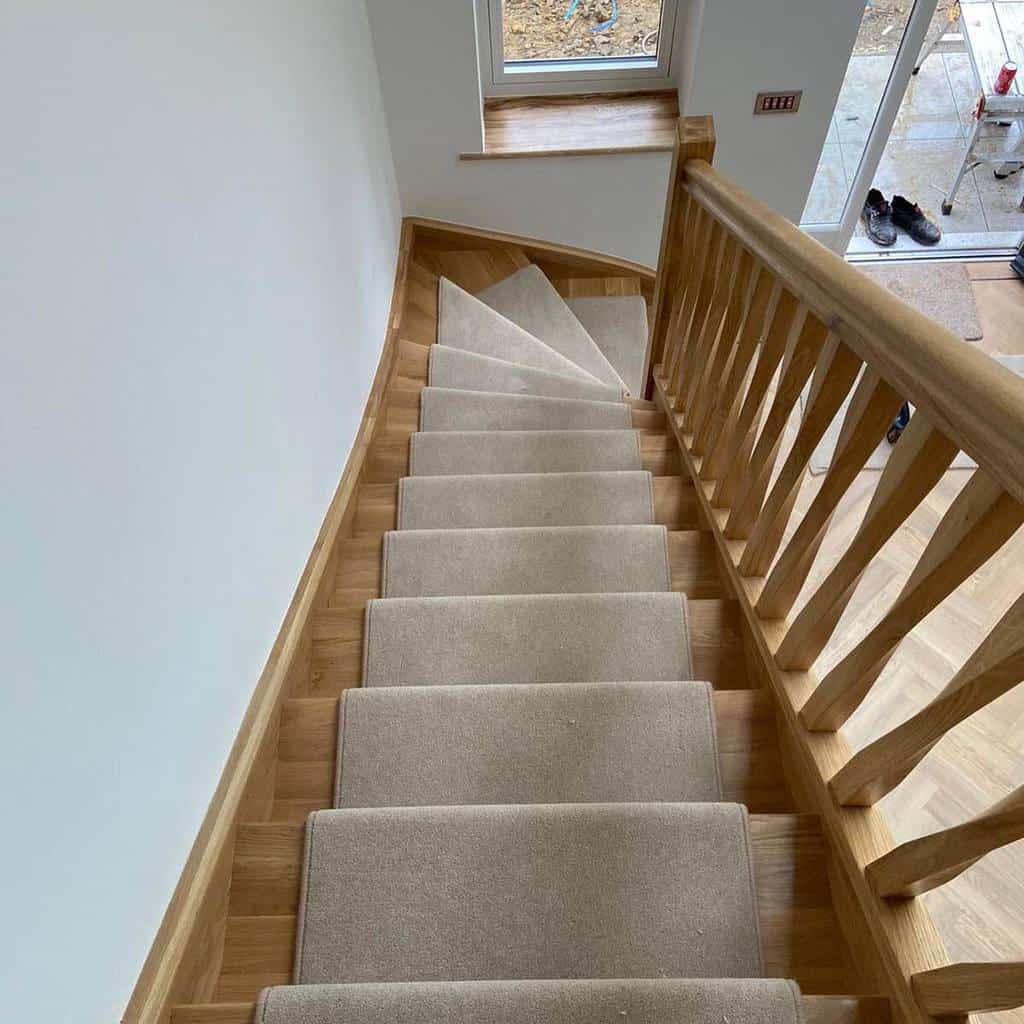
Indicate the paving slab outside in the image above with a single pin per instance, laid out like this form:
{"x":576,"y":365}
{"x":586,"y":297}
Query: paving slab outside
{"x":924,"y":151}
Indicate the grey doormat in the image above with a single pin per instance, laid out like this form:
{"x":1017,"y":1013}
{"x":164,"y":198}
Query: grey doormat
{"x":533,"y":638}
{"x":641,"y":890}
{"x":652,"y":1001}
{"x":526,"y":560}
{"x":941,"y":291}
{"x":406,"y":746}
{"x":487,"y":452}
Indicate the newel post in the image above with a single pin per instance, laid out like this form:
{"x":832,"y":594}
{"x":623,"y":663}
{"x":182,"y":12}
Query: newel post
{"x":695,"y":139}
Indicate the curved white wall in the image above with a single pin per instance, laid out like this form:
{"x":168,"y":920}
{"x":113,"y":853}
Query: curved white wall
{"x":199,"y":225}
{"x":427,"y":55}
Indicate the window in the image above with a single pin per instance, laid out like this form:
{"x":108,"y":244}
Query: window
{"x":540,"y":45}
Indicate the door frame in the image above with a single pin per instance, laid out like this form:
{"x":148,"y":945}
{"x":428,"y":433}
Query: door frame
{"x":837,"y":236}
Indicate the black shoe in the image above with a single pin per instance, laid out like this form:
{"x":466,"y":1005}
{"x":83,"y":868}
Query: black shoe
{"x":893,"y":434}
{"x":908,"y":215}
{"x":877,"y":218}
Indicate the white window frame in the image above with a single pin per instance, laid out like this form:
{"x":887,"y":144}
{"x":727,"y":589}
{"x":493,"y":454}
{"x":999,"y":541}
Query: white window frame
{"x":591,"y":74}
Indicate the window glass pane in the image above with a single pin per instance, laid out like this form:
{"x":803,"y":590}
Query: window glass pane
{"x":580,"y":29}
{"x":874,"y":54}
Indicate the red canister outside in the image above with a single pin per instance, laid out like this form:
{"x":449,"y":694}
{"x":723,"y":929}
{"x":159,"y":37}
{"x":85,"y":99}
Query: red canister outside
{"x":1005,"y":78}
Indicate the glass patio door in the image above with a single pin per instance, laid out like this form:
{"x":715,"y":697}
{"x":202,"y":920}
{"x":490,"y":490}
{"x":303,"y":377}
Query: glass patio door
{"x":891,"y":36}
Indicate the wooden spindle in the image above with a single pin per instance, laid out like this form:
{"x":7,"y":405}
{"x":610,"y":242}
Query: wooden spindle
{"x":702,"y":257}
{"x":980,"y":520}
{"x":834,"y":376}
{"x":995,"y":667}
{"x":960,"y":989}
{"x":914,"y":468}
{"x":923,"y":864}
{"x":680,"y":280}
{"x":708,"y":339}
{"x":738,"y":304}
{"x":716,"y":244}
{"x":695,"y":138}
{"x":801,"y":359}
{"x":725,"y":413}
{"x":871,"y":410}
{"x":741,"y":442}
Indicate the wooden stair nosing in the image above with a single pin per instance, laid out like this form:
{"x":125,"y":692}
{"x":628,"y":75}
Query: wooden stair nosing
{"x":839,"y":1009}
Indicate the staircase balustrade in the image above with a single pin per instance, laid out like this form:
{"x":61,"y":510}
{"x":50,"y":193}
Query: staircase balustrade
{"x":760,"y":339}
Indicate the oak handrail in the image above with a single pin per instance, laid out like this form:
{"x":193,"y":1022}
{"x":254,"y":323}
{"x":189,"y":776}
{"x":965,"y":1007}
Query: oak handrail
{"x":975,"y":401}
{"x":752,"y":316}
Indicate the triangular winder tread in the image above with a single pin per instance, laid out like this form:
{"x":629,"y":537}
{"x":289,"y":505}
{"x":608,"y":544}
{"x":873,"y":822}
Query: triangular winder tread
{"x":528,"y":299}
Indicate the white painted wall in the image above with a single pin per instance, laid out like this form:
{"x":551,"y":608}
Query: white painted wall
{"x":427,"y":55}
{"x":198,"y":230}
{"x":724,"y":53}
{"x":745,"y":47}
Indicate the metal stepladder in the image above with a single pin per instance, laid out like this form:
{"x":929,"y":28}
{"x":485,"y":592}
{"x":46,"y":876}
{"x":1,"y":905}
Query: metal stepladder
{"x":988,"y":42}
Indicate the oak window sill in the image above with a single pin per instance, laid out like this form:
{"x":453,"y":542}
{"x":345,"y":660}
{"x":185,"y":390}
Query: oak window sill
{"x":595,"y":123}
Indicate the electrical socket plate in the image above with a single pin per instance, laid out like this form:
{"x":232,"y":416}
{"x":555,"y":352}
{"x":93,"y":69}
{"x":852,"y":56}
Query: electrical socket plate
{"x":778,"y":102}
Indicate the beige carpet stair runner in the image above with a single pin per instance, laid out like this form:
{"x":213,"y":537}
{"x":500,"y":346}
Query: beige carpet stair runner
{"x":527,"y":499}
{"x":453,"y":368}
{"x":467,"y":323}
{"x":526,"y":560}
{"x":659,"y":1001}
{"x":527,"y":821}
{"x":523,"y":451}
{"x":549,"y":743}
{"x":526,"y":638}
{"x":618,"y":325}
{"x":451,"y":409}
{"x":528,"y":299}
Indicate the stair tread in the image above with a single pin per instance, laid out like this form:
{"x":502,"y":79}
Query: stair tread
{"x":519,"y":451}
{"x":618,"y":325}
{"x":526,"y":499}
{"x":661,"y":1001}
{"x":535,"y":638}
{"x":406,"y":746}
{"x":527,"y":891}
{"x":525,"y":560}
{"x":747,"y":750}
{"x":466,"y":323}
{"x":443,"y":409}
{"x":470,"y":371}
{"x":715,"y":635}
{"x":528,"y":299}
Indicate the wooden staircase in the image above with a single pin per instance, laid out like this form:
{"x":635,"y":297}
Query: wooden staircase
{"x":857,"y":956}
{"x":801,"y":934}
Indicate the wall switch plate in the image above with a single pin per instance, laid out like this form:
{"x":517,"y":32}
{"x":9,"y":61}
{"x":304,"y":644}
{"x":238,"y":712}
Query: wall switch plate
{"x":778,"y":102}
